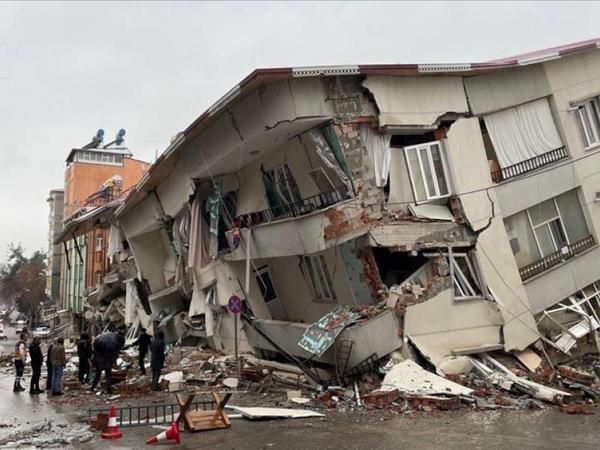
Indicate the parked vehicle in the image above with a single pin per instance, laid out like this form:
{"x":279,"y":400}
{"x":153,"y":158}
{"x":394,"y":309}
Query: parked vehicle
{"x":41,"y":332}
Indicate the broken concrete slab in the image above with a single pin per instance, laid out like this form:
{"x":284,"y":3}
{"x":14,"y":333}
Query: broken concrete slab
{"x":529,"y":359}
{"x":410,"y":378}
{"x":258,"y":413}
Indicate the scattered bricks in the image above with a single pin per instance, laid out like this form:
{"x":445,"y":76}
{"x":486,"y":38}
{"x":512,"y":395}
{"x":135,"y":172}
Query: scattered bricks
{"x":100,"y":422}
{"x":429,"y":403}
{"x":324,"y":396}
{"x":380,"y":398}
{"x":119,"y":376}
{"x":576,"y":375}
{"x":575,"y":409}
{"x":254,"y":373}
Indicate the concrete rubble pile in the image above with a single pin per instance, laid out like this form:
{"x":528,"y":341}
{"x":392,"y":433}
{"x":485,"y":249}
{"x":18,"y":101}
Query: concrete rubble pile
{"x":48,"y":435}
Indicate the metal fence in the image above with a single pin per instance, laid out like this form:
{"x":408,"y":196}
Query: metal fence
{"x":299,"y":208}
{"x":132,"y":416}
{"x":529,"y":164}
{"x":556,"y":258}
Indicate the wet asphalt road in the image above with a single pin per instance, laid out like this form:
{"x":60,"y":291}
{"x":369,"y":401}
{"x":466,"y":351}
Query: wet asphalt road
{"x":522,"y":430}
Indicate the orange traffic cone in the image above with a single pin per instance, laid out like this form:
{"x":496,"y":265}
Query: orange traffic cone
{"x":169,"y":435}
{"x":112,"y":432}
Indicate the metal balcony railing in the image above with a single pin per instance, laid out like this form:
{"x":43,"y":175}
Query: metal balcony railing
{"x":529,"y":164}
{"x":556,"y":258}
{"x":299,"y":208}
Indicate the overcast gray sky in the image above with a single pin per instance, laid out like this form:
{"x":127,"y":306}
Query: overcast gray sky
{"x":67,"y":69}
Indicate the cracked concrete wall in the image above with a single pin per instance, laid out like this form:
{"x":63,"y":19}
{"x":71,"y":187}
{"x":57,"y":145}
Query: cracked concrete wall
{"x":469,"y":166}
{"x":439,"y":325}
{"x":362,"y":270}
{"x":414,"y":103}
{"x":246,"y":121}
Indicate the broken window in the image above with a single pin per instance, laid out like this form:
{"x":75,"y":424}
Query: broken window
{"x":588,"y":114}
{"x":281,"y":189}
{"x":466,"y":277}
{"x":321,"y":180}
{"x":265,"y":284}
{"x":285,"y":184}
{"x":317,"y":276}
{"x":428,"y":170}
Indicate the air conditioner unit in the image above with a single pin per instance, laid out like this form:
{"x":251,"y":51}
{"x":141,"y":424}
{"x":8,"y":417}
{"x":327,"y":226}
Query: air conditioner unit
{"x":597,"y":199}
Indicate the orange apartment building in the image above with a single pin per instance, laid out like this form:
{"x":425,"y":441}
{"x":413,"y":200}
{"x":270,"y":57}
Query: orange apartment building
{"x":94,"y":176}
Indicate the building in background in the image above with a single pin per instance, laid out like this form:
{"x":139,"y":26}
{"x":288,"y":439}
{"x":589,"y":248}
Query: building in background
{"x":95,"y":176}
{"x":55,"y":225}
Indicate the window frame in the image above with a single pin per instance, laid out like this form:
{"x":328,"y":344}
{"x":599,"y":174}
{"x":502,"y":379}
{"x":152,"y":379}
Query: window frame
{"x":282,"y":175}
{"x":258,"y":274}
{"x":546,"y":224}
{"x":591,"y":110}
{"x":99,"y":243}
{"x":442,"y":152}
{"x":318,"y":278}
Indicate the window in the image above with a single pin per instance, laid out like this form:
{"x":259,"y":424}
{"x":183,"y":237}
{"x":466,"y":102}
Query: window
{"x":98,"y":278}
{"x":99,"y":243}
{"x":285,"y":184}
{"x":265,"y":284}
{"x":548,"y":227}
{"x":317,"y":277}
{"x":321,"y":180}
{"x":589,"y":121}
{"x":466,"y":277}
{"x":428,"y":171}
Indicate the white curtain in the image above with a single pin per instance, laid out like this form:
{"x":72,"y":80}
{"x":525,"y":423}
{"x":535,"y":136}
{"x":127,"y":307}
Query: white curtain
{"x":379,"y":146}
{"x":115,"y":241}
{"x":198,"y":237}
{"x":522,"y":132}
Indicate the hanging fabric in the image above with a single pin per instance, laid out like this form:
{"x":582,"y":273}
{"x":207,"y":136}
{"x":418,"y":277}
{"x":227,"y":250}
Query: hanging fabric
{"x":379,"y":146}
{"x":198,"y":236}
{"x":115,"y":241}
{"x":522,"y":132}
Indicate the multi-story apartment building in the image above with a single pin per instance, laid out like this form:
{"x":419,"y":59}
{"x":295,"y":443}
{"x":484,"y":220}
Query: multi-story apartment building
{"x":55,"y":225}
{"x":94,"y":177}
{"x":462,"y":195}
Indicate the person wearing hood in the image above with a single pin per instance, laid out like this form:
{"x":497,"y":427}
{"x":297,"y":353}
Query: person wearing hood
{"x":84,"y":353}
{"x":37,"y":359}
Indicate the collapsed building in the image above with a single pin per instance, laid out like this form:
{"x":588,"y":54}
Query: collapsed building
{"x":443,"y":209}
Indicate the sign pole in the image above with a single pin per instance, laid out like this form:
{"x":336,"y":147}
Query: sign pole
{"x":235,"y":307}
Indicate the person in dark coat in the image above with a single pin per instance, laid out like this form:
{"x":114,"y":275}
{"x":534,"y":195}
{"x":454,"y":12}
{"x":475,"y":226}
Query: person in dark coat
{"x":49,"y":368}
{"x":104,"y":361}
{"x":157,"y":358}
{"x":37,"y":359}
{"x":84,"y":352}
{"x":143,"y":343}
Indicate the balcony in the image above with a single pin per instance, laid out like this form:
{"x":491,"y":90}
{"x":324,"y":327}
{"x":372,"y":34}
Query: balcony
{"x":557,"y":257}
{"x":297,"y":209}
{"x":529,"y":165}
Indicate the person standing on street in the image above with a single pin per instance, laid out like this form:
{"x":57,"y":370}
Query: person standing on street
{"x":20,"y":358}
{"x":143,"y":343}
{"x":49,"y":367}
{"x":105,"y":356}
{"x":84,"y":352}
{"x":157,"y":358}
{"x":37,"y":359}
{"x":58,"y":360}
